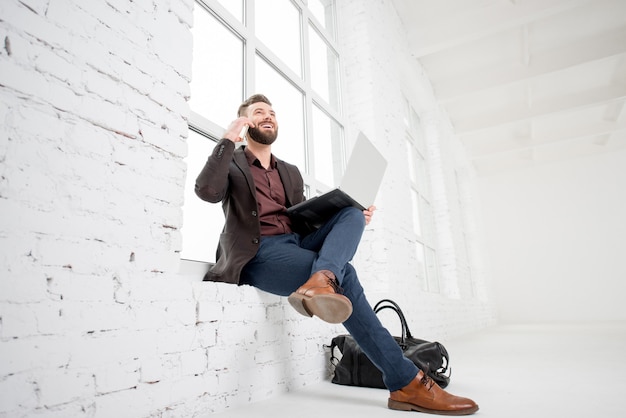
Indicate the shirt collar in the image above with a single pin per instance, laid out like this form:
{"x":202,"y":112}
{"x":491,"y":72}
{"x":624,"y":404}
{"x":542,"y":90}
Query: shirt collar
{"x":253,"y":160}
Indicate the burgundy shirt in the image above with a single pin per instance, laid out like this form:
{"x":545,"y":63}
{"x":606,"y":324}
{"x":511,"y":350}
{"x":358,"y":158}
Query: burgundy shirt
{"x":270,"y":196}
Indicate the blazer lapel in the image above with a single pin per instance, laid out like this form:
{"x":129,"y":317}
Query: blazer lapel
{"x":285,"y":176}
{"x":240,"y":161}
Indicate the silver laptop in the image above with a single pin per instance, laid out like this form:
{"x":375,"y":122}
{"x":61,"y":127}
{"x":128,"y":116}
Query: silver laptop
{"x":358,"y":188}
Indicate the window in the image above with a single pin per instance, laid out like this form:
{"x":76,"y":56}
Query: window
{"x":428,"y":274}
{"x":285,"y":49}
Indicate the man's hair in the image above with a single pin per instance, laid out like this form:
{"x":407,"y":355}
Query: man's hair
{"x":255,"y":98}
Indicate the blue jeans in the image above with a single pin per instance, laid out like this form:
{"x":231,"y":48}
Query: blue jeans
{"x":285,"y":262}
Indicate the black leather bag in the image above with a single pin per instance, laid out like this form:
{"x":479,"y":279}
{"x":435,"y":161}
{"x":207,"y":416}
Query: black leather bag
{"x":353,"y":368}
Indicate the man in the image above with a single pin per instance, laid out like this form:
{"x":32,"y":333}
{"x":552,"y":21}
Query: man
{"x":261,"y":246}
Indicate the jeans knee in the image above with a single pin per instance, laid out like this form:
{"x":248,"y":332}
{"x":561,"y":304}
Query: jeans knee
{"x":354,"y":215}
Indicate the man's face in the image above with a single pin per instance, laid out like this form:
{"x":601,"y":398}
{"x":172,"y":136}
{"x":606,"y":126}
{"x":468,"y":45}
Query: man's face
{"x":266,"y":127}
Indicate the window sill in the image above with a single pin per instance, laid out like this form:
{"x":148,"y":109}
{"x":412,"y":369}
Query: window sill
{"x":193,"y":270}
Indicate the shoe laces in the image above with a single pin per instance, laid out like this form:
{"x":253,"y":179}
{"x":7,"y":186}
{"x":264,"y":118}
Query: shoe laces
{"x":333,"y":282}
{"x":427,"y":381}
{"x":335,"y":285}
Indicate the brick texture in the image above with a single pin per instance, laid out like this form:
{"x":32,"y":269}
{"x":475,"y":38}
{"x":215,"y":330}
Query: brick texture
{"x":95,"y":319}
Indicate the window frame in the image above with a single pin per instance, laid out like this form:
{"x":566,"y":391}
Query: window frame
{"x":254,"y":48}
{"x":425,"y":239}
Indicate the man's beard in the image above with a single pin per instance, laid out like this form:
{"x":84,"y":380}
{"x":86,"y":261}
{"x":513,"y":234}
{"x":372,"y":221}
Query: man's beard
{"x":265,"y":138}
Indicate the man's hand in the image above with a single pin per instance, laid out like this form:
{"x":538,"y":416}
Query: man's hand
{"x":234,"y":130}
{"x":369,"y":212}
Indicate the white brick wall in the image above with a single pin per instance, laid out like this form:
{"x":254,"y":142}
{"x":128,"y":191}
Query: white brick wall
{"x":379,"y":72}
{"x":94,"y":318}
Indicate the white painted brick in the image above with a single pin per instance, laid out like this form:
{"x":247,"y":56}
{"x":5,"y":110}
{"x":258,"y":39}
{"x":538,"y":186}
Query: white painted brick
{"x":163,"y":139}
{"x":229,"y":382}
{"x":268,"y":353}
{"x":105,"y":87}
{"x":21,"y":284}
{"x":121,"y":23}
{"x":58,"y":386}
{"x":169,"y":40}
{"x":181,"y":313}
{"x":33,"y":353}
{"x":139,"y":402}
{"x":19,"y":319}
{"x":18,"y":390}
{"x":161,"y":289}
{"x":183,"y":10}
{"x":123,"y":7}
{"x":57,"y":64}
{"x":117,"y":376}
{"x":236,"y":333}
{"x":188,"y":388}
{"x":31,"y":23}
{"x":275,"y":312}
{"x":298,"y":347}
{"x":221,"y":357}
{"x":209,"y":310}
{"x":87,"y":317}
{"x":106,"y":115}
{"x":22,"y":80}
{"x":151,"y":369}
{"x":72,"y":287}
{"x":98,"y":349}
{"x":138,"y":80}
{"x":175,"y":340}
{"x":93,"y":193}
{"x":206,"y":335}
{"x":194,"y":362}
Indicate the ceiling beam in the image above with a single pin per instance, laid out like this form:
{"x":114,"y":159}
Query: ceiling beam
{"x":501,"y":146}
{"x":535,"y":65}
{"x":428,"y":35}
{"x":467,"y":123}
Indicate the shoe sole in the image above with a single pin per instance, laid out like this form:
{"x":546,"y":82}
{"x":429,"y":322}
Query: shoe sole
{"x":406,"y":406}
{"x":333,"y":309}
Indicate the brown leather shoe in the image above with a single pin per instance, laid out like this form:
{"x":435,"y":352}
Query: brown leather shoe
{"x":424,"y":395}
{"x":319,"y":297}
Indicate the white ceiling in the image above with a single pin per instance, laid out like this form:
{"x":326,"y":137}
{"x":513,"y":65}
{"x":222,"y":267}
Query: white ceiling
{"x":525,"y":82}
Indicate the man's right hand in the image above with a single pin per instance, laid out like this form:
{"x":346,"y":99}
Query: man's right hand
{"x":234,"y":130}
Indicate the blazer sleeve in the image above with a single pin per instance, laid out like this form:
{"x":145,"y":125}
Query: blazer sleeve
{"x":212,"y":182}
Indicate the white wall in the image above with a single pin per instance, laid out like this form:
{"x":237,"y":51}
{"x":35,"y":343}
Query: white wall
{"x":380,"y":74}
{"x":95,"y":317}
{"x":557,"y":239}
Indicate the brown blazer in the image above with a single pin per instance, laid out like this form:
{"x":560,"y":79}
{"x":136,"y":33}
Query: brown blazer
{"x":226,"y":178}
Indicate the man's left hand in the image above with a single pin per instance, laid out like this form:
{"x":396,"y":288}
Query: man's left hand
{"x":369,"y":212}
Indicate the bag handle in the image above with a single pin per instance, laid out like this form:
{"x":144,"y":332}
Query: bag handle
{"x":406,"y":332}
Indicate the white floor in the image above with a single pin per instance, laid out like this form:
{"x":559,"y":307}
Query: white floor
{"x":512,"y":371}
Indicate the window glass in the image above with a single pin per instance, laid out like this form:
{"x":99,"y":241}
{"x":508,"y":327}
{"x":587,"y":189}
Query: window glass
{"x":421,"y":266}
{"x":324,"y":69}
{"x":235,"y":7}
{"x":417,"y":223}
{"x":288,"y":103}
{"x":431,"y":268}
{"x":423,"y":222}
{"x":277,"y":25}
{"x":412,"y":156}
{"x":416,"y":130}
{"x":323,"y":12}
{"x":426,"y":212}
{"x":216,"y":89}
{"x":202,"y":221}
{"x":230,"y":63}
{"x":327,"y":150}
{"x":422,"y":181}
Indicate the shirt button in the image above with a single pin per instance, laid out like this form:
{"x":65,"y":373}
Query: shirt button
{"x":255,"y":240}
